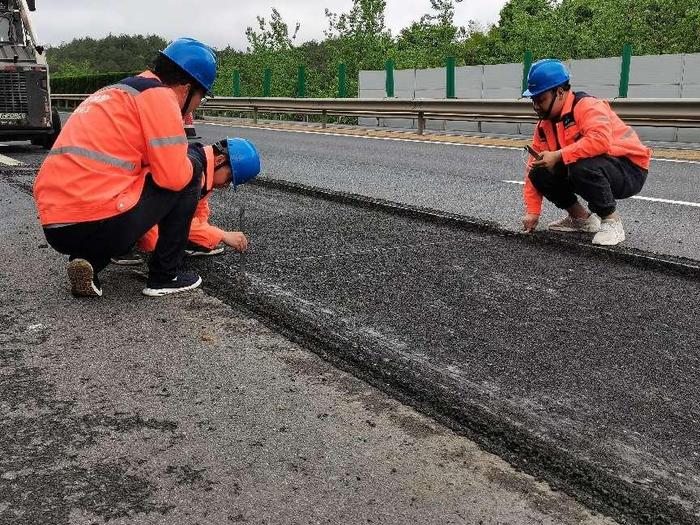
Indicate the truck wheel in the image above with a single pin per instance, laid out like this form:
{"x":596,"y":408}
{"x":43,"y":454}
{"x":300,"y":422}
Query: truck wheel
{"x":46,"y":141}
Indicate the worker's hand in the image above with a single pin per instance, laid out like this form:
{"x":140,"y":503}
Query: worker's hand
{"x":548,"y":159}
{"x":530,"y":222}
{"x":236,"y":240}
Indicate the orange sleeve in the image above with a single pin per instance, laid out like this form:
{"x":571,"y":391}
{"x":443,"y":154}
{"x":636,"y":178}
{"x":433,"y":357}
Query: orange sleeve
{"x":201,"y":232}
{"x":165,"y":139}
{"x":532,"y":197}
{"x":596,"y":130}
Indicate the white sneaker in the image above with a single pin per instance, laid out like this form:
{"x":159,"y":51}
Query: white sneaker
{"x":571,"y":224}
{"x":611,"y":233}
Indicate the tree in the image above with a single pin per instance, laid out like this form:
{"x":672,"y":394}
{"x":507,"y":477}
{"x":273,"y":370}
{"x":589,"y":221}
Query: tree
{"x":112,"y":53}
{"x":273,"y":38}
{"x":427,"y":42}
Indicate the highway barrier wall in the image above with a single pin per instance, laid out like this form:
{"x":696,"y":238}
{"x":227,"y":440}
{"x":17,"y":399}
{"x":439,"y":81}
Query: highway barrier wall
{"x":651,"y":76}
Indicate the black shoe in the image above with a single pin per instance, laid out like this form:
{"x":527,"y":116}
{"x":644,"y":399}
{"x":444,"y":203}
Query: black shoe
{"x":83,"y":281}
{"x":195,"y":250}
{"x":128,"y":259}
{"x":183,"y":282}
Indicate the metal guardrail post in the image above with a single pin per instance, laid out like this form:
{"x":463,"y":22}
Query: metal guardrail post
{"x":324,"y":119}
{"x":236,"y":83}
{"x":527,"y":64}
{"x":625,"y":71}
{"x":342,"y":81}
{"x":301,"y":82}
{"x":421,"y":122}
{"x":255,"y":115}
{"x":389,"y":68}
{"x":450,"y":77}
{"x":267,"y":82}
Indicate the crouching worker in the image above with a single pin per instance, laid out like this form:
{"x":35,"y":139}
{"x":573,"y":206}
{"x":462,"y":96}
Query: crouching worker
{"x":584,"y":149}
{"x":121,"y":165}
{"x":228,"y":161}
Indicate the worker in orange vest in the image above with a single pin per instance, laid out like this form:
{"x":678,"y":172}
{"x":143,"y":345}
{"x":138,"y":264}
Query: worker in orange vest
{"x":122,"y":164}
{"x":581,"y":147}
{"x":229,"y":161}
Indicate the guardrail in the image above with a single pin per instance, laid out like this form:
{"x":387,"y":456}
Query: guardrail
{"x":657,"y":112}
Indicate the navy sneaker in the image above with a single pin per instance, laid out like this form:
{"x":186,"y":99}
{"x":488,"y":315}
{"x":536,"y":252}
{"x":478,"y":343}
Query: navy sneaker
{"x":130,"y":258}
{"x":182,"y":282}
{"x":195,"y":250}
{"x":83,"y":281}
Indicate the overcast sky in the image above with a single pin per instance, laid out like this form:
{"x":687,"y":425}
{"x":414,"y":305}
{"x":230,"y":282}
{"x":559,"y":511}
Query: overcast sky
{"x":219,"y":22}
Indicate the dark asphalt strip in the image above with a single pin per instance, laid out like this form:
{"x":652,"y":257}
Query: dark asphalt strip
{"x":576,"y":243}
{"x":572,"y":364}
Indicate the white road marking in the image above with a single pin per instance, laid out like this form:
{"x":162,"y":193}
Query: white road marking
{"x":398,"y":139}
{"x":638,"y":197}
{"x":9,"y":161}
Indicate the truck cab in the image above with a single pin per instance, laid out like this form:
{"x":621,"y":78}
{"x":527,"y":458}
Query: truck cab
{"x":25,"y":98}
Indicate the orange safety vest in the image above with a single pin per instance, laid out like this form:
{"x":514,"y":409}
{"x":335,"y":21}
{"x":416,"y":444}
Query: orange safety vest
{"x":587,"y":127}
{"x":201,"y":232}
{"x":114,"y":138}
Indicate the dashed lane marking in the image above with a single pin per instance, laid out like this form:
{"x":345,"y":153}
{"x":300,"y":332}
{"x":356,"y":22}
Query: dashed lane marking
{"x":638,"y":197}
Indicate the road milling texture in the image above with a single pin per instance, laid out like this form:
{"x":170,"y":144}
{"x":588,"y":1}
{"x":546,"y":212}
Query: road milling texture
{"x":132,"y":410}
{"x":467,"y":180}
{"x":574,"y":365}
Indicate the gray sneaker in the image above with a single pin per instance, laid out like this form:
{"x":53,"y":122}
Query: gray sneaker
{"x":611,"y":233}
{"x":83,"y":281}
{"x":571,"y":224}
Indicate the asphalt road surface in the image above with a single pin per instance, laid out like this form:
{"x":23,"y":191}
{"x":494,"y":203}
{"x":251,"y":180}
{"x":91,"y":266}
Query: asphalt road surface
{"x":478,"y":182}
{"x":576,"y":366}
{"x":183,"y":410}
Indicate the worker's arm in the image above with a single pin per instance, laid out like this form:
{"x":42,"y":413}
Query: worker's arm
{"x":201,"y":232}
{"x":531,"y":197}
{"x":165,"y":139}
{"x":205,"y":234}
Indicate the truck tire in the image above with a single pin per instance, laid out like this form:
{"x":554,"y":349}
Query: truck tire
{"x":46,"y":141}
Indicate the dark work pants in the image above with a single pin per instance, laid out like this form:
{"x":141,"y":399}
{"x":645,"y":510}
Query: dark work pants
{"x":98,"y":241}
{"x":598,"y":180}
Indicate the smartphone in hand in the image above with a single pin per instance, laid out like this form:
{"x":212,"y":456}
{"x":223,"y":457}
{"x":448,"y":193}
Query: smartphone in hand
{"x":533,"y":153}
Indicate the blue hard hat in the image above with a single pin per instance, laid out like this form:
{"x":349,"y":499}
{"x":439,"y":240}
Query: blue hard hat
{"x":545,"y":75}
{"x":194,"y":57}
{"x":244,"y":160}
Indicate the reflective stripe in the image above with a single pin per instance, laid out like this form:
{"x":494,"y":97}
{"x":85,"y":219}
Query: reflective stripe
{"x":123,"y":87}
{"x":168,"y":141}
{"x":93,"y":155}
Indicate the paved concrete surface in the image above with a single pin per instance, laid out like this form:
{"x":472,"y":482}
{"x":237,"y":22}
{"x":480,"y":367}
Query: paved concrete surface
{"x":129,"y":410}
{"x":468,"y":180}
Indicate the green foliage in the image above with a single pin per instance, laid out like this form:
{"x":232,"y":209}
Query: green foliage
{"x":85,"y":83}
{"x":112,"y":53}
{"x":359,"y":39}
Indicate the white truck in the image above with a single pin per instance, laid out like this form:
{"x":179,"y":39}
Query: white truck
{"x":25,"y":99}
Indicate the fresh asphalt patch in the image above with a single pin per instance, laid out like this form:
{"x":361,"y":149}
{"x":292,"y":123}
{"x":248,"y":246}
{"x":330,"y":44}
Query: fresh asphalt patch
{"x":576,"y":365}
{"x":183,"y":410}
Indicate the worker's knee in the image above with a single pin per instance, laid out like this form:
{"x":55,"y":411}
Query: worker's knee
{"x":540,"y":178}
